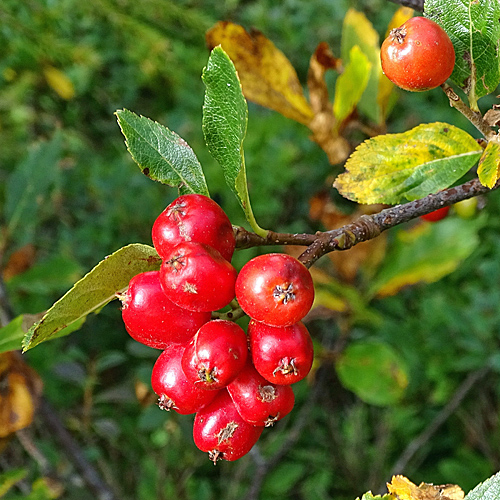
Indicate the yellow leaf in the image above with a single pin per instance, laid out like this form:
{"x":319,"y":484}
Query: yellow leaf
{"x":59,"y":82}
{"x":488,"y":169}
{"x":404,"y":489}
{"x":267,"y":76}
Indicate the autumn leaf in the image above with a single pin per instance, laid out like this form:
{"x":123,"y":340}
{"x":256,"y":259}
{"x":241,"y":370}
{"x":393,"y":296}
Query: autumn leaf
{"x":59,"y":82}
{"x":488,"y":169}
{"x":404,"y":489}
{"x":267,"y":76}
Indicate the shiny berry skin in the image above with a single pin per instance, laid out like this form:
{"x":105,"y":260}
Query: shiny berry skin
{"x":193,"y":217}
{"x":418,"y":55}
{"x":196,"y":277}
{"x":437,"y":215}
{"x":215,"y":355}
{"x":275,"y":289}
{"x":174,"y":390}
{"x":258,"y":401}
{"x":219,"y":430}
{"x":153,"y":319}
{"x":282,"y":355}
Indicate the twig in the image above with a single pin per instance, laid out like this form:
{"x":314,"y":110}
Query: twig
{"x":366,"y":227}
{"x":473,"y":116}
{"x":439,"y":420}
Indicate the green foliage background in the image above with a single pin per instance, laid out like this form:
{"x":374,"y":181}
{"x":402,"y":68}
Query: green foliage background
{"x":148,"y":57}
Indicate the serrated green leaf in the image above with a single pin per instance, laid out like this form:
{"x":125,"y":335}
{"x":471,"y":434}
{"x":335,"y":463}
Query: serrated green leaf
{"x":225,"y":116}
{"x":489,"y":490}
{"x":27,"y":186}
{"x":358,"y":30}
{"x":426,"y":253}
{"x":161,"y":154}
{"x":348,"y":95}
{"x":488,"y":169}
{"x":395,"y":168}
{"x":475,"y":32}
{"x":374,"y":371}
{"x":101,"y":285}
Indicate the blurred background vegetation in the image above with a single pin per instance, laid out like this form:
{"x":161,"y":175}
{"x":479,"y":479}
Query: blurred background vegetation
{"x":65,"y":67}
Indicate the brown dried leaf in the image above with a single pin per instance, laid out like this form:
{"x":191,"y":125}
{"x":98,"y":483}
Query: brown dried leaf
{"x":267,"y":76}
{"x":19,"y":262}
{"x":492,"y":117}
{"x":20,"y":388}
{"x":404,"y":489}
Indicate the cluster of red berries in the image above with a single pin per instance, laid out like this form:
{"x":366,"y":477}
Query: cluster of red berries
{"x":235,"y":383}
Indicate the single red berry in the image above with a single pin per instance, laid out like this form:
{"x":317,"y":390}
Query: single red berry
{"x":257,"y":400}
{"x":219,"y":430}
{"x":193,"y":217}
{"x":153,"y":319}
{"x":275,"y":289}
{"x":418,"y":55}
{"x":197,"y":277}
{"x":437,"y":215}
{"x":282,"y":355}
{"x":215,"y":355}
{"x":173,"y":388}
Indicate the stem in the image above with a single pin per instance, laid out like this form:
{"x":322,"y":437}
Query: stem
{"x":474,"y":117}
{"x":366,"y":227}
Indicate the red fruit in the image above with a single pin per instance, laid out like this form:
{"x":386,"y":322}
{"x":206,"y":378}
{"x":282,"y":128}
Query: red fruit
{"x":219,"y":430}
{"x":197,"y":277}
{"x":154,"y":320}
{"x":275,"y":289}
{"x":418,"y":55}
{"x":257,"y":400}
{"x":437,"y":215}
{"x":282,"y":355}
{"x":193,"y":217}
{"x":173,"y":388}
{"x":215,"y":355}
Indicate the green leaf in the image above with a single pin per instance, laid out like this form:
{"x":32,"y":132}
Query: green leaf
{"x":395,"y":168}
{"x":373,"y":371}
{"x":475,"y":32}
{"x":488,"y":169}
{"x":358,"y":30}
{"x":225,"y":116}
{"x":489,"y":490}
{"x":427,"y":252}
{"x":348,"y":95}
{"x":101,"y":285}
{"x":28,"y":185}
{"x":9,"y":478}
{"x":370,"y":496}
{"x":161,"y":154}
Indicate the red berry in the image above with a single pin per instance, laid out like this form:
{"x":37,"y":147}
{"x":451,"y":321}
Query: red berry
{"x":215,"y":355}
{"x":197,"y":277}
{"x":418,"y":55}
{"x":282,"y":355}
{"x":219,"y":430}
{"x":257,"y":400}
{"x":275,"y":289}
{"x":437,"y":215}
{"x":193,"y":217}
{"x":152,"y":319}
{"x":174,"y":390}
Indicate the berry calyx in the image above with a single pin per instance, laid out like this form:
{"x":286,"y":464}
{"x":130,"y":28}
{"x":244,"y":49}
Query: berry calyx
{"x":153,"y":319}
{"x":215,"y":355}
{"x":174,"y":390}
{"x":275,"y":289}
{"x":196,"y":277}
{"x":259,"y":401}
{"x":418,"y":55}
{"x":193,"y":217}
{"x":219,"y":430}
{"x":282,"y":355}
